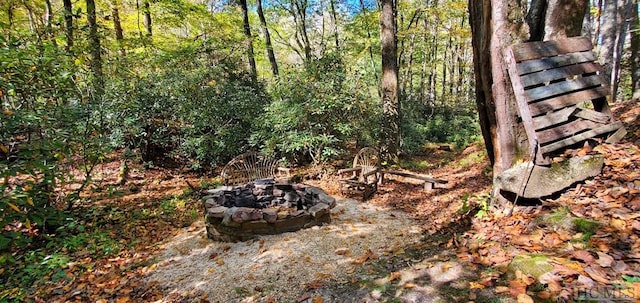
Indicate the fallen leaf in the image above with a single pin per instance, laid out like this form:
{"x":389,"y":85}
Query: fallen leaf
{"x":552,"y":281}
{"x":604,"y":260}
{"x":597,"y":274}
{"x":587,"y":282}
{"x":476,"y":285}
{"x":394,"y":275}
{"x":317,"y":300}
{"x":583,"y":256}
{"x":524,"y":298}
{"x":517,"y":287}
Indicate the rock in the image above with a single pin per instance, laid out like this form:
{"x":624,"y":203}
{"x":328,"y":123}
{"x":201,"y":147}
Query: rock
{"x":227,"y":220}
{"x":546,"y":181}
{"x":532,"y":265}
{"x":328,"y":200}
{"x":319,"y":210}
{"x":243,"y":214}
{"x":220,"y":190}
{"x":291,"y":197}
{"x":270,"y":216}
{"x":217,"y":212}
{"x":210,"y":203}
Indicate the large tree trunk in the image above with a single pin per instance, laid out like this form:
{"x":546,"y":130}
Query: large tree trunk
{"x":535,"y":19}
{"x":249,"y":40}
{"x":334,"y":16}
{"x":95,"y":57}
{"x":496,"y":24}
{"x":564,"y":18}
{"x":634,"y":30}
{"x":267,"y":39}
{"x":608,"y":35}
{"x":68,"y":24}
{"x":390,"y":102}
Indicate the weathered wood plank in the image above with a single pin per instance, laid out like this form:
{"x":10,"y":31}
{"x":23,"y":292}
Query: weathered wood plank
{"x":414,"y":176}
{"x":564,"y":87}
{"x":533,"y":66}
{"x":564,"y":72}
{"x":617,"y":136}
{"x":562,"y":101}
{"x":553,"y":118}
{"x":565,"y":130}
{"x":521,"y":100}
{"x":581,"y":137}
{"x":533,"y":50}
{"x":592,"y":115}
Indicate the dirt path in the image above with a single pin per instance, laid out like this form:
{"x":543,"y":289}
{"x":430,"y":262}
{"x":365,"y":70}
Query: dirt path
{"x":282,"y":268}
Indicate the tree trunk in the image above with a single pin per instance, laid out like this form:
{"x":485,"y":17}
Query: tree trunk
{"x":535,"y":19}
{"x":68,"y":24}
{"x":634,"y":30}
{"x":249,"y":40}
{"x":496,"y":24}
{"x":608,"y":34}
{"x":267,"y":39}
{"x":117,"y":26}
{"x":564,"y":18}
{"x":94,"y":45}
{"x":390,"y":103}
{"x":147,"y":17}
{"x":334,"y":16}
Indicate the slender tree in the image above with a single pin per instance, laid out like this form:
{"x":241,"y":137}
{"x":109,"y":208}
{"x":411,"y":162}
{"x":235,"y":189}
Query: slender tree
{"x":94,"y":51}
{"x":267,"y":38}
{"x":68,"y":24}
{"x":249,"y":39}
{"x":390,"y":144}
{"x":146,"y":10}
{"x":117,"y":26}
{"x":634,"y":30}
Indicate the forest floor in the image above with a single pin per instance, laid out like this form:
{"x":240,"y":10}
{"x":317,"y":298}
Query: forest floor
{"x":144,"y":241}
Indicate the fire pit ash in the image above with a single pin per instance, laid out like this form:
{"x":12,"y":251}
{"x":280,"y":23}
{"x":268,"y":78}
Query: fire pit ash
{"x":264,"y":207}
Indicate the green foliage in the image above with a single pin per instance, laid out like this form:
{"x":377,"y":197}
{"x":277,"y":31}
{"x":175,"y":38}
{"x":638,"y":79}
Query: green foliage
{"x":315,"y":113}
{"x":187,"y":106}
{"x":45,"y":122}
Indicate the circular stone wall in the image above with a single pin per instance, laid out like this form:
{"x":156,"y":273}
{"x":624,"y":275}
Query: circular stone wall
{"x":264,"y":207}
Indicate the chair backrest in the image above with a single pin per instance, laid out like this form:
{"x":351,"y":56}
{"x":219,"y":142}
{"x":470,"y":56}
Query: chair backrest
{"x":248,"y":167}
{"x":560,"y":92}
{"x":367,"y":158}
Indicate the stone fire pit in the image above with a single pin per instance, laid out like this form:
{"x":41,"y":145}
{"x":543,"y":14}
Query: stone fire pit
{"x":264,"y":207}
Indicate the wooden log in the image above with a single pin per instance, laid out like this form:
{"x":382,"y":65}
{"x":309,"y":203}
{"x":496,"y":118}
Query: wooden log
{"x":414,"y":176}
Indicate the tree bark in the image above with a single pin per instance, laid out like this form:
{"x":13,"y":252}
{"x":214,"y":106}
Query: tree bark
{"x":564,"y":18}
{"x":608,"y":33}
{"x":249,"y":40}
{"x":68,"y":24}
{"x":95,"y":51}
{"x":390,"y":102}
{"x":535,"y":19}
{"x":332,"y":4}
{"x":267,"y":39}
{"x":146,"y":10}
{"x":496,"y":24}
{"x":634,"y":30}
{"x":117,"y":26}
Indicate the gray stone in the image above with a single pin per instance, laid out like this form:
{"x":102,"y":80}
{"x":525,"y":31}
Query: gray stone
{"x":244,"y":214}
{"x":227,"y":220}
{"x":319,"y":210}
{"x":217,"y":212}
{"x":219,"y":190}
{"x":326,"y":199}
{"x":291,"y":196}
{"x":546,"y":181}
{"x":270,"y":216}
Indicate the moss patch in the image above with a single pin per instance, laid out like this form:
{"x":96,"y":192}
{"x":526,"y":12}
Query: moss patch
{"x":533,"y":265}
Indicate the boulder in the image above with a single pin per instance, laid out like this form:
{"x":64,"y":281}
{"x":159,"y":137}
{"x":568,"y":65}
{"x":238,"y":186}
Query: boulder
{"x":546,"y":181}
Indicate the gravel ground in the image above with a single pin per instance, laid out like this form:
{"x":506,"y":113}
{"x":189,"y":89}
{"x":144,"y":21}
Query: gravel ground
{"x":280,"y":268}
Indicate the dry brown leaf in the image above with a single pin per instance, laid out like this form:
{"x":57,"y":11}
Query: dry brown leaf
{"x":394,"y":275}
{"x":317,"y":300}
{"x":597,"y":274}
{"x":604,"y":260}
{"x":524,"y":298}
{"x":502,"y":289}
{"x":583,"y":256}
{"x":517,"y":287}
{"x":552,"y":281}
{"x":476,"y":285}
